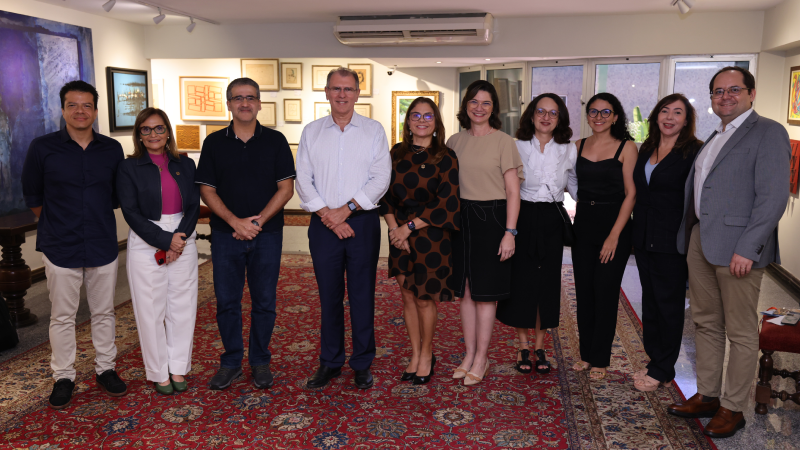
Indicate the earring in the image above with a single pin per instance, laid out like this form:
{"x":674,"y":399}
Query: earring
{"x":434,"y":134}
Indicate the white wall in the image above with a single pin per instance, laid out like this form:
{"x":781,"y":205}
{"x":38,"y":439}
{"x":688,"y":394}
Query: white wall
{"x":781,"y":31}
{"x":419,"y":79}
{"x":115,"y":44}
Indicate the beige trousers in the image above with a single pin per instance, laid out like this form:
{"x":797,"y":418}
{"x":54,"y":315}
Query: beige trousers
{"x":65,"y":294}
{"x":723,"y":305}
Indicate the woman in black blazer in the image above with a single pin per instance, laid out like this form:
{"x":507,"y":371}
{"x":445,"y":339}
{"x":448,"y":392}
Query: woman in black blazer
{"x":161,"y":203}
{"x":660,"y":174}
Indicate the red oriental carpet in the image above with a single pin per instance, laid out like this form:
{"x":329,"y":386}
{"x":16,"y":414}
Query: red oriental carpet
{"x":561,"y":410}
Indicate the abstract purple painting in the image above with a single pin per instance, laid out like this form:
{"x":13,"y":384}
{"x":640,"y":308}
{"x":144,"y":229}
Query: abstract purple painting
{"x":38,"y":57}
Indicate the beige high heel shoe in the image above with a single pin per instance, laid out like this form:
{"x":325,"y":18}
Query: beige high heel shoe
{"x":471,"y":379}
{"x":459,"y":374}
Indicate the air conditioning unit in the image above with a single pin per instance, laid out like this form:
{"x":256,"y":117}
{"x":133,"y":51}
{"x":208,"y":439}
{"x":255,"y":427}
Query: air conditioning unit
{"x":415,"y":29}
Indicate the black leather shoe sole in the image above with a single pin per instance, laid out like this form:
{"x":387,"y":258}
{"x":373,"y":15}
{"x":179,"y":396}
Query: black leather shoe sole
{"x":674,"y":412}
{"x":738,"y":427}
{"x":322,"y":382}
{"x":113,"y":394}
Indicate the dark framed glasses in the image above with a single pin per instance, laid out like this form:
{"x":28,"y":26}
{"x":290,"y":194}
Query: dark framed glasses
{"x":604,"y":113}
{"x":541,"y":112}
{"x":159,"y":129}
{"x":733,"y":91}
{"x":416,"y":117}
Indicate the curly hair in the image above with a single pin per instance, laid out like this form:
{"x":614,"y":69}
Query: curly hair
{"x":472,"y":91}
{"x":437,"y":143}
{"x":619,"y":129}
{"x":687,"y":141}
{"x":561,"y":134}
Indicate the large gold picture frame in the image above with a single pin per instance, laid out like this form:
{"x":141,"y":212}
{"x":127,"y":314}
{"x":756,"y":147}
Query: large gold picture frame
{"x":400,"y":102}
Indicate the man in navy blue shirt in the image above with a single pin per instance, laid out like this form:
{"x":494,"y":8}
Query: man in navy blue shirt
{"x":246,"y":173}
{"x":68,"y":181}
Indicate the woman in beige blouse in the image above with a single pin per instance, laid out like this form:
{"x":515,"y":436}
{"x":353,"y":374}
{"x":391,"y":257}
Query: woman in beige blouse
{"x":490,"y":171}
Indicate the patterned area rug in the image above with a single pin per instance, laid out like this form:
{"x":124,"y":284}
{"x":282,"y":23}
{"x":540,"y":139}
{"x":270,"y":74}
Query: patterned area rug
{"x":561,"y":410}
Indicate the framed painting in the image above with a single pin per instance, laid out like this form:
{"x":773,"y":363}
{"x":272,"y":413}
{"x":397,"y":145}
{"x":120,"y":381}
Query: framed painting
{"x":319,"y":77}
{"x":364,"y":72}
{"x":213,"y":128}
{"x":292,"y":76}
{"x":292,"y":110}
{"x":401,"y":100}
{"x":268,"y":116}
{"x":262,"y":71}
{"x":794,"y":167}
{"x":187,"y":137}
{"x":794,"y":96}
{"x":364,"y":109}
{"x":293,"y":148}
{"x":203,"y":99}
{"x":127,"y":96}
{"x":321,"y":109}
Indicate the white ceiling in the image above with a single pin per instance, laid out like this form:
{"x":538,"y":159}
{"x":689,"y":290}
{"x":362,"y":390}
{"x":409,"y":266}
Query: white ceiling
{"x":264,"y":11}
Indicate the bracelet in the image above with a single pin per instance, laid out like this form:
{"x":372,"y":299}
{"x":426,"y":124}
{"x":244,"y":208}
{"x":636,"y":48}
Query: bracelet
{"x":393,"y":229}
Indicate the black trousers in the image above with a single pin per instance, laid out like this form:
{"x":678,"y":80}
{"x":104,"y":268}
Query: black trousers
{"x":597,"y":288}
{"x":663,"y":277}
{"x":358,"y":258}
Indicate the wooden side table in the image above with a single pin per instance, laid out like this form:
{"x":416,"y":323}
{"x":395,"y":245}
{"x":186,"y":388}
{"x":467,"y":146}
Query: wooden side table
{"x":15,"y":275}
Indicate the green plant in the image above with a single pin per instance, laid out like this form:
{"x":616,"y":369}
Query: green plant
{"x":638,"y":127}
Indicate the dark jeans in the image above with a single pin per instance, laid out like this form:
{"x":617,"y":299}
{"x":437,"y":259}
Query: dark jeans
{"x":261,"y":260}
{"x":358,"y":256}
{"x":663,"y":277}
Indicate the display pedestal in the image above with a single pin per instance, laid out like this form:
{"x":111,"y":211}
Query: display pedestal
{"x":15,"y":275}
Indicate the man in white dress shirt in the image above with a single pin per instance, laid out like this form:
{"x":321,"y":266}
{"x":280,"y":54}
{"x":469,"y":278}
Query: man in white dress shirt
{"x":343,"y":170}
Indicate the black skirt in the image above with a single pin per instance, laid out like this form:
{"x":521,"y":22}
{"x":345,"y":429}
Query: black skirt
{"x":536,"y":268}
{"x":475,"y":247}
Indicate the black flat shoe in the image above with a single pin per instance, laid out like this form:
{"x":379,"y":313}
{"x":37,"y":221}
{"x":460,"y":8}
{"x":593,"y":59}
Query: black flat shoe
{"x":525,"y":354}
{"x":541,"y":361}
{"x":323,"y":376}
{"x":407,"y":376}
{"x":425,"y":378}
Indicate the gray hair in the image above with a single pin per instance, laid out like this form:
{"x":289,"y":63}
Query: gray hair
{"x":241,"y":82}
{"x":342,"y":71}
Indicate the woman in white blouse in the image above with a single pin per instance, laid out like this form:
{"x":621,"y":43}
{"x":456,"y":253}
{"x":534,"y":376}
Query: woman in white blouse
{"x":549,"y":160}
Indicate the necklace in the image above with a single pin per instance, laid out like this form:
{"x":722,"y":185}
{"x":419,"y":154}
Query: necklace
{"x":421,"y":149}
{"x":160,"y":167}
{"x":473,"y":134}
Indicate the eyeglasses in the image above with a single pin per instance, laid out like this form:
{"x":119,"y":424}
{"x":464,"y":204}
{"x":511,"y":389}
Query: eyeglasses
{"x":347,"y":90}
{"x":417,"y":116}
{"x":159,"y":129}
{"x":604,"y":113}
{"x":733,"y":91}
{"x":240,"y":98}
{"x":541,"y":112}
{"x":474,"y":104}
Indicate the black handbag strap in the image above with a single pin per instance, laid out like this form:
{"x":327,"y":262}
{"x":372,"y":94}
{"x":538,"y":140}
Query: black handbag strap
{"x":556,"y":203}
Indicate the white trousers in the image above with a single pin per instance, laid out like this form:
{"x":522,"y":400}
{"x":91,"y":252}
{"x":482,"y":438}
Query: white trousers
{"x":164,"y":302}
{"x":64,"y":285}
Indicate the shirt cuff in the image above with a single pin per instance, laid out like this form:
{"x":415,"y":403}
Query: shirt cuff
{"x":34,"y":201}
{"x":363,"y":201}
{"x":313,"y":205}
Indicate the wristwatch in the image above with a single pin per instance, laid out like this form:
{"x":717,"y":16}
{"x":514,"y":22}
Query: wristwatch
{"x":513,"y":231}
{"x":411,"y":225}
{"x":255,"y":223}
{"x":352,"y":206}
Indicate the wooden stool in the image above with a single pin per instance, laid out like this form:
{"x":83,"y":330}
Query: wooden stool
{"x":776,"y":338}
{"x":204,"y":219}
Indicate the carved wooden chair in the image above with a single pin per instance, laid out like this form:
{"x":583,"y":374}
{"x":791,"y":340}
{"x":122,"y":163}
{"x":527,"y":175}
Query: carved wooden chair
{"x":776,"y":338}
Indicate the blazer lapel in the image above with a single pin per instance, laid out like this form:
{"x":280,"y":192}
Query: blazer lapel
{"x":747,"y":125}
{"x":665,"y":163}
{"x":689,"y":187}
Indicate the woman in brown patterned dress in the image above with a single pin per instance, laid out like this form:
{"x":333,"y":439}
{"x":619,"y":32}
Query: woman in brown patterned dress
{"x":420,"y":209}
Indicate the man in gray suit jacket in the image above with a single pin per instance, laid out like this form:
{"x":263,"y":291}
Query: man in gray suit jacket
{"x":735,"y":195}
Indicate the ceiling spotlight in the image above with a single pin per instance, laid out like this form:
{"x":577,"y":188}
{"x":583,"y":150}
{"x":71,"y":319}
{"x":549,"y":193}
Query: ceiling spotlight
{"x":683,"y":5}
{"x":438,"y":62}
{"x":191,"y":26}
{"x":109,"y":4}
{"x":161,"y":16}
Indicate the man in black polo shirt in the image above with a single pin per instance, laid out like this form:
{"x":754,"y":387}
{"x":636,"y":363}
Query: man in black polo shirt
{"x":247,"y":176}
{"x":68,"y":181}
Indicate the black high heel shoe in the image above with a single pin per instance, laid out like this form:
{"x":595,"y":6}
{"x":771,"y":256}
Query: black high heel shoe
{"x":425,"y":378}
{"x":407,"y":376}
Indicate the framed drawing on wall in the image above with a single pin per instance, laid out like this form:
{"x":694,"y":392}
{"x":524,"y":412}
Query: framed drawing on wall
{"x":267,"y":116}
{"x":293,"y":148}
{"x":212,"y":128}
{"x":401,"y":100}
{"x":292,"y":110}
{"x":319,"y":76}
{"x":321,"y":109}
{"x":262,"y":71}
{"x":794,"y":96}
{"x":203,"y":99}
{"x":127,"y":96}
{"x":292,"y":76}
{"x":187,"y":137}
{"x":513,"y":95}
{"x":364,"y":109}
{"x":364,"y":72}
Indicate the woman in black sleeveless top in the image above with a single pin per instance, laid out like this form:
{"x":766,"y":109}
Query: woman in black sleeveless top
{"x":606,"y":195}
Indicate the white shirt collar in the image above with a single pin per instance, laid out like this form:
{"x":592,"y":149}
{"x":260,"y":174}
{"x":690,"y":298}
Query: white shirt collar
{"x":355,"y":120}
{"x":737,"y":122}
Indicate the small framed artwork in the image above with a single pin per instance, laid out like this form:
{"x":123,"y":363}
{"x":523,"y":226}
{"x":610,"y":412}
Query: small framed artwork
{"x":293,"y":147}
{"x":794,"y":96}
{"x":292,"y":110}
{"x":127,"y":96}
{"x":513,"y":96}
{"x":267,"y":116}
{"x":364,"y":72}
{"x":321,"y":109}
{"x":187,"y":137}
{"x":319,"y":77}
{"x":212,"y":128}
{"x":401,"y":100}
{"x":364,"y":109}
{"x":292,"y":76}
{"x":262,"y":71}
{"x":203,"y":99}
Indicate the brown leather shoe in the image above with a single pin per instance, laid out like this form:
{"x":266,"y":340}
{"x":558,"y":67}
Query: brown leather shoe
{"x":694,"y":407}
{"x":724,"y":424}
